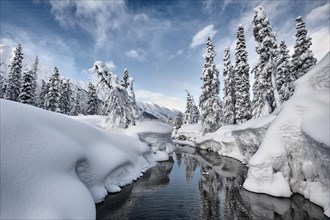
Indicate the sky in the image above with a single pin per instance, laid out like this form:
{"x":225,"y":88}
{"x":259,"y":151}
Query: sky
{"x":161,"y":43}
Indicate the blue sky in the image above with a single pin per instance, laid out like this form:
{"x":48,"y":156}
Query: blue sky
{"x":160,"y":42}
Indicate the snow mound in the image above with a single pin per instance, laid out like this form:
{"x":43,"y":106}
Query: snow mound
{"x":53,"y":167}
{"x":295,"y":153}
{"x":188,"y":132}
{"x":237,"y":141}
{"x":157,"y":135}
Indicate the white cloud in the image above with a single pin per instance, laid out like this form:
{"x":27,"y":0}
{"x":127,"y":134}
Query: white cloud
{"x":208,"y":6}
{"x":318,"y":15}
{"x":161,"y":99}
{"x":320,"y":43}
{"x":137,"y":54}
{"x":201,"y":36}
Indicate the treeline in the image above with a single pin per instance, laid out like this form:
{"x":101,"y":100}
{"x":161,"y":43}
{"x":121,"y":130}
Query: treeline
{"x":274,"y":74}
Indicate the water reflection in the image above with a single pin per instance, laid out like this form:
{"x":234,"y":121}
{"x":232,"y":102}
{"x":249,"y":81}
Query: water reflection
{"x":200,"y":185}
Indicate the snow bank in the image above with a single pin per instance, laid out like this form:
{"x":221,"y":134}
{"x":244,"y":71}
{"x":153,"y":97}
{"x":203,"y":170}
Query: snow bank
{"x":237,"y":141}
{"x":188,"y":132}
{"x":53,"y":167}
{"x":157,"y":135}
{"x":295,"y":153}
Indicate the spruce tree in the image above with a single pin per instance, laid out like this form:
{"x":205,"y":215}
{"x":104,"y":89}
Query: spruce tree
{"x":303,"y":57}
{"x":178,"y":121}
{"x":191,"y":113}
{"x":228,"y":89}
{"x":34,"y":82}
{"x":125,"y":81}
{"x":265,"y":97}
{"x":77,"y":105}
{"x":14,"y":76}
{"x":42,"y":94}
{"x":3,"y":86}
{"x":92,"y":100}
{"x":52,"y":98}
{"x":284,"y":77}
{"x":241,"y":81}
{"x":27,"y":95}
{"x":65,"y":96}
{"x":209,"y":101}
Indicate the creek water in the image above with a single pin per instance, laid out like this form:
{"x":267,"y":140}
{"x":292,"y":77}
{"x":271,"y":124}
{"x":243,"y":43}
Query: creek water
{"x":200,"y":185}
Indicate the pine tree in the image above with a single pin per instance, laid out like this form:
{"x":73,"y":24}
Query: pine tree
{"x":26,"y":95}
{"x":65,"y":96}
{"x":303,"y":57}
{"x":53,"y":96}
{"x":241,"y":81}
{"x":42,"y":94}
{"x":125,"y":82}
{"x":92,"y":100}
{"x":209,"y":101}
{"x":265,"y":97}
{"x":284,"y":77}
{"x":191,"y":113}
{"x":14,"y":76}
{"x":77,"y":105}
{"x":34,"y":82}
{"x":3,"y":86}
{"x":229,"y":92}
{"x":178,"y":121}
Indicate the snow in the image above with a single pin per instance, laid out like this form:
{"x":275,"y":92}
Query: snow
{"x":54,"y":167}
{"x":295,"y":152}
{"x":155,"y":134}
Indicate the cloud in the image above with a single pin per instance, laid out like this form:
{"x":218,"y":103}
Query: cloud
{"x":161,"y":99}
{"x":137,"y":54}
{"x":320,"y":42}
{"x":208,"y":6}
{"x":201,"y":36}
{"x":318,"y":15}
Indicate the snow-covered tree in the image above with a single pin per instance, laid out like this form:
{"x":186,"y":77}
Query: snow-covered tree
{"x":266,"y":97}
{"x":192,"y":112}
{"x":52,"y":98}
{"x":34,"y":71}
{"x":303,"y":57}
{"x":241,"y":80}
{"x":14,"y":76}
{"x":3,"y":86}
{"x":65,"y":96}
{"x":284,"y":77}
{"x":178,"y":121}
{"x":209,"y":101}
{"x":76,"y":109}
{"x":125,"y":81}
{"x":228,"y":89}
{"x":92,"y":100}
{"x":27,"y":95}
{"x":121,"y":109}
{"x":42,"y":94}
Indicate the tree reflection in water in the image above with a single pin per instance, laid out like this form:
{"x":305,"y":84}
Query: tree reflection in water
{"x":200,"y":185}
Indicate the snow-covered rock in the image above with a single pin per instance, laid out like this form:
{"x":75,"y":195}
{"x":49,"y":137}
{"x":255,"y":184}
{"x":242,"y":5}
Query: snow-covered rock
{"x":295,"y":153}
{"x":54,"y":167}
{"x":157,"y":135}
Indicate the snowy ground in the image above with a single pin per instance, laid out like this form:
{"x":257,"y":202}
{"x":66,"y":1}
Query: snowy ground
{"x":288,"y":151}
{"x":54,"y":167}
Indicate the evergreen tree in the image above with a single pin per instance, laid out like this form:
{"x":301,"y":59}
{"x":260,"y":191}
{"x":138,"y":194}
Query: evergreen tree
{"x":42,"y":94}
{"x":303,"y":57}
{"x":3,"y":86}
{"x":125,"y":81}
{"x":191,"y":113}
{"x":34,"y":82}
{"x":77,"y":105}
{"x":209,"y":101}
{"x":265,"y":97}
{"x":27,"y":95}
{"x":284,"y":77}
{"x":92,"y":100}
{"x":14,"y":76}
{"x":178,"y":121}
{"x":52,"y":98}
{"x":229,"y":92}
{"x":241,"y":81}
{"x":65,"y":96}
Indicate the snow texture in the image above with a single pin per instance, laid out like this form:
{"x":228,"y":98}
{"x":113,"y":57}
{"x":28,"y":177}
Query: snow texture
{"x":54,"y":167}
{"x":295,"y":152}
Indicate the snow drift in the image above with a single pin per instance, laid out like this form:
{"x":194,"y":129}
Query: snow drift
{"x":295,"y":153}
{"x":54,"y":167}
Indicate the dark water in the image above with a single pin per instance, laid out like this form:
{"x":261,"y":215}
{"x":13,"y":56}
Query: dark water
{"x":200,"y":185}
